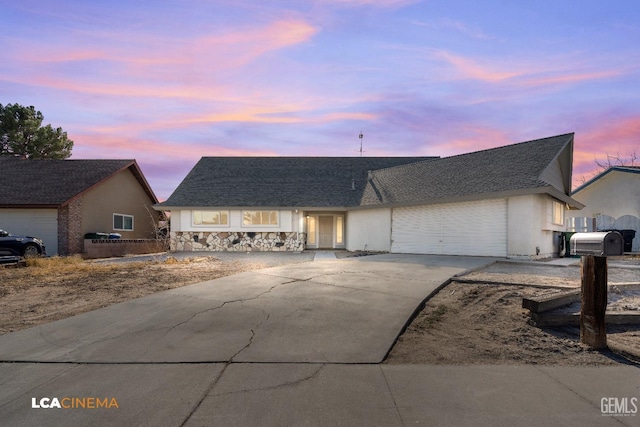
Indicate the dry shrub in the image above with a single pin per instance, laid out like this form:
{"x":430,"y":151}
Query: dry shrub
{"x":58,"y":265}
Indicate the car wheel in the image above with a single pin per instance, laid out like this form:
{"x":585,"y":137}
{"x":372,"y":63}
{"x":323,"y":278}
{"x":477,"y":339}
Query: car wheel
{"x":30,"y":251}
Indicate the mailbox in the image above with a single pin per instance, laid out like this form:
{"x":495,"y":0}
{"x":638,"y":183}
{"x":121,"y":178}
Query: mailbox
{"x":598,"y":244}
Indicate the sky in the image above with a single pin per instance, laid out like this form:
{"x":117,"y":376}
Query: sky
{"x":167,"y":82}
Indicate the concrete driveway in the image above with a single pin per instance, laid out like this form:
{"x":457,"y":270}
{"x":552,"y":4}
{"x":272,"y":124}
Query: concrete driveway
{"x":336,"y":311}
{"x":295,"y":345}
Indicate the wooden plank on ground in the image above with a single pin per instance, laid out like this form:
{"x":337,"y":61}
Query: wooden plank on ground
{"x":550,"y":302}
{"x":629,"y":317}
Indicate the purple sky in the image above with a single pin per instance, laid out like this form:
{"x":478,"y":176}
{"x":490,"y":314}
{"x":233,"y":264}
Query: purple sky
{"x":166,"y":82}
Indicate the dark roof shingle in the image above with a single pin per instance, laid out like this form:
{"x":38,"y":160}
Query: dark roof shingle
{"x":349,"y":182}
{"x":498,"y":170}
{"x":45,"y":182}
{"x":279,"y":181}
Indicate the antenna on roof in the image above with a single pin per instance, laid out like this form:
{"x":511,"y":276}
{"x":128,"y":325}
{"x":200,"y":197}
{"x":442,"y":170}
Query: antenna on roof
{"x":361,"y":136}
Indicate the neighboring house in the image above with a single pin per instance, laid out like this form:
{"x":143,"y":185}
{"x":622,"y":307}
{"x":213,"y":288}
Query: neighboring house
{"x":60,"y":201}
{"x":507,"y":202}
{"x":612,"y":201}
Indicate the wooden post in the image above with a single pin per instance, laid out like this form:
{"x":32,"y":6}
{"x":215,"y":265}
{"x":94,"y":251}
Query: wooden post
{"x":593,"y":330}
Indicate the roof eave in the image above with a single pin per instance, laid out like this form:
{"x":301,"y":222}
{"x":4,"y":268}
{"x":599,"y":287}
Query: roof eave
{"x":30,"y":206}
{"x":552,"y":191}
{"x":161,"y":207}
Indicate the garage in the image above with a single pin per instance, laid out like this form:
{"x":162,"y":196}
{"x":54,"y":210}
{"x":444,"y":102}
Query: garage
{"x":476,"y":228}
{"x":40,"y":223}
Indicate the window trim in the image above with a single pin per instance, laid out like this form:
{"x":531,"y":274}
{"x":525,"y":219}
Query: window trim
{"x":560,"y":206}
{"x":276,"y":225}
{"x":220,"y":213}
{"x":123,"y":222}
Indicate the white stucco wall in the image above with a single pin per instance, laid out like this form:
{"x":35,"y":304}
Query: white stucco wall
{"x":289,"y":221}
{"x":369,"y":229}
{"x":614,"y":201}
{"x":531,"y":231}
{"x":615,"y":194}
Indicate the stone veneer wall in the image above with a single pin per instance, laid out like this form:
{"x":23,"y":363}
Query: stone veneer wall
{"x":237,"y":241}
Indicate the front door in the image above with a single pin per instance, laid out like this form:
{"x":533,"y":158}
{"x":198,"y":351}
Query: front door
{"x":325,"y":232}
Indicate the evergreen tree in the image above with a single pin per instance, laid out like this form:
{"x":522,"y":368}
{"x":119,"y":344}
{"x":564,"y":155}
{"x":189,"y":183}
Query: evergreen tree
{"x":22,"y":134}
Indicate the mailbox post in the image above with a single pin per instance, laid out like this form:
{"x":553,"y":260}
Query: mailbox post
{"x":594,"y":249}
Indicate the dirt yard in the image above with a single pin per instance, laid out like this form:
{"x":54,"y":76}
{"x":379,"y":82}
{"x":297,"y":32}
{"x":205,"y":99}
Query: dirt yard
{"x":55,"y":288}
{"x":478,"y":321}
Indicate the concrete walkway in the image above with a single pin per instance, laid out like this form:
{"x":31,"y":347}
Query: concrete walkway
{"x":292,"y":345}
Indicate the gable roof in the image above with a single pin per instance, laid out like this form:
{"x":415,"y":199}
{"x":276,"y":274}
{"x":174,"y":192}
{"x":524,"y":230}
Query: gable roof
{"x":320,"y":182}
{"x":627,"y":169}
{"x":539,"y":166}
{"x":54,"y":183}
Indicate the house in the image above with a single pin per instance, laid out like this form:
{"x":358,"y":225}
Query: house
{"x":507,"y":202}
{"x":60,"y":201}
{"x":612,"y":200}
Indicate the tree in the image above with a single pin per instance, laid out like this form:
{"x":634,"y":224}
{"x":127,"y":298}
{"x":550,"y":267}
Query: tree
{"x":22,"y":134}
{"x":630,"y":159}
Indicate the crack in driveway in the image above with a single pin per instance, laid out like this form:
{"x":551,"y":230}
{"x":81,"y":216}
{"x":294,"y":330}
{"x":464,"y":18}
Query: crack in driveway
{"x":275,"y":387}
{"x":253,"y":334}
{"x":78,"y":345}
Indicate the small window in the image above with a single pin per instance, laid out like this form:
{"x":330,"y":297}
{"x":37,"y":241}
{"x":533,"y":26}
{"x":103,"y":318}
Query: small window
{"x":558,"y":213}
{"x":260,"y":218}
{"x":311,"y":230}
{"x":122,"y":222}
{"x":339,"y":230}
{"x":210,"y":217}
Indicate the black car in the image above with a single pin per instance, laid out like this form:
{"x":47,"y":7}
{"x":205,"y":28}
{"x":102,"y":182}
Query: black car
{"x":20,"y":245}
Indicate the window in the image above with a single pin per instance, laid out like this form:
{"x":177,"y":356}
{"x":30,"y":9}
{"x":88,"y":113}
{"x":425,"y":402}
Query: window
{"x":339,"y":230}
{"x":558,"y":213}
{"x":122,"y":222}
{"x":260,"y":218}
{"x":210,"y":217}
{"x":311,"y":230}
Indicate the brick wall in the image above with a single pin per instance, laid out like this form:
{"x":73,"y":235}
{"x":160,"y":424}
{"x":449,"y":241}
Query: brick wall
{"x":70,"y":238}
{"x":107,"y":248}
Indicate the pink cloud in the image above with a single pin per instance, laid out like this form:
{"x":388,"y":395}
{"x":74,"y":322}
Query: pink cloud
{"x":276,"y":114}
{"x":570,"y":78}
{"x":99,"y":145}
{"x":469,"y":138}
{"x":238,"y":48}
{"x":189,"y":67}
{"x":612,"y":136}
{"x":472,"y":69}
{"x":522,"y":74}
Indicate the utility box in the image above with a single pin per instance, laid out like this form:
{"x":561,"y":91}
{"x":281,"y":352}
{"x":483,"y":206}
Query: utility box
{"x":599,"y":244}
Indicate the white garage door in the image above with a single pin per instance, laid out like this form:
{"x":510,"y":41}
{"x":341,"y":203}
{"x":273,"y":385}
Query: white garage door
{"x":40,"y":223}
{"x":470,"y":228}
